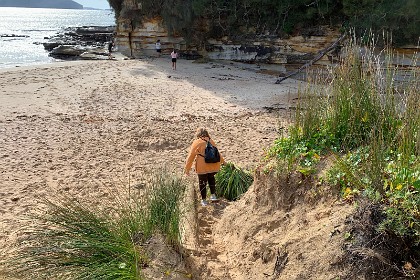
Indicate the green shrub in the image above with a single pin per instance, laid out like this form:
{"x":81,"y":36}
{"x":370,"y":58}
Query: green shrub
{"x":402,"y":198}
{"x":232,"y":181}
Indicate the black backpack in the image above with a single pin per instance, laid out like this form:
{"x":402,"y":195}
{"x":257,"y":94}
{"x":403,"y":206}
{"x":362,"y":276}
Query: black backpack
{"x":211,"y":154}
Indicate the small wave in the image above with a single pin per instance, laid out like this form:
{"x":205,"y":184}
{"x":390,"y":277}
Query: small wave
{"x":39,"y":30}
{"x":13,"y":36}
{"x":10,"y":37}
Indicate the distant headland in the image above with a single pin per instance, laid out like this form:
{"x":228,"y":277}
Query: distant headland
{"x":56,"y":4}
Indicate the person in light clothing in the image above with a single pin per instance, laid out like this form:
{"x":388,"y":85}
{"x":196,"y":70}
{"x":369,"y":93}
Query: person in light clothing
{"x":158,"y":48}
{"x":174,"y":56}
{"x":205,"y":171}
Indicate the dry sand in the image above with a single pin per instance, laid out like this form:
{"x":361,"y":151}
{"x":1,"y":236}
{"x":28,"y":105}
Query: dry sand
{"x":86,"y":128}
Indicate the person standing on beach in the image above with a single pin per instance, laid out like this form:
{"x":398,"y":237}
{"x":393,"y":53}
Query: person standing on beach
{"x":174,"y":56}
{"x":205,"y":171}
{"x":158,"y":48}
{"x":110,"y":46}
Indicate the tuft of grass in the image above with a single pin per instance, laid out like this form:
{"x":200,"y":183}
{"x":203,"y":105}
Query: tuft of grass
{"x":165,"y":193}
{"x":232,"y":181}
{"x":70,"y":239}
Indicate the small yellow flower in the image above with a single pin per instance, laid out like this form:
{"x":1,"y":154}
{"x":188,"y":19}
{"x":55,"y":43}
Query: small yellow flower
{"x":300,"y":130}
{"x":399,"y":187}
{"x":365,"y":117}
{"x":348,"y":193}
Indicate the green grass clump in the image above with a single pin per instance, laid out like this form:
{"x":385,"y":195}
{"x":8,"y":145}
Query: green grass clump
{"x":69,"y":239}
{"x":232,"y":181}
{"x":164,"y":211}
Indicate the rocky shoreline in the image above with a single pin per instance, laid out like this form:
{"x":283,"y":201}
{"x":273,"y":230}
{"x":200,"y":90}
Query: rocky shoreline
{"x":80,"y":43}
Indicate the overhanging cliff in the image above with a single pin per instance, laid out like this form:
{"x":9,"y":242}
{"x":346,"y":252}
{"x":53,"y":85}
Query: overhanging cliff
{"x":140,"y":40}
{"x":137,"y":35}
{"x":271,"y":31}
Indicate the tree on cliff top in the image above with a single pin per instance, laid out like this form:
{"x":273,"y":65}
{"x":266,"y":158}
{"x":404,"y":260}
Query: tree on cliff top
{"x":209,"y":18}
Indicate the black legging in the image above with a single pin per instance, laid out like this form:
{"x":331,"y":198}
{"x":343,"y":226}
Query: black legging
{"x":202,"y":182}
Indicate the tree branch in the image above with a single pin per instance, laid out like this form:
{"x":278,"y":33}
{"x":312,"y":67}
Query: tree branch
{"x":317,"y":57}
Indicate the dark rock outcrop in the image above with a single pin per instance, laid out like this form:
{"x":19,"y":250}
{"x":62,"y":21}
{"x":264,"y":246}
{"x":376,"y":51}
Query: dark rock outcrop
{"x":86,"y":42}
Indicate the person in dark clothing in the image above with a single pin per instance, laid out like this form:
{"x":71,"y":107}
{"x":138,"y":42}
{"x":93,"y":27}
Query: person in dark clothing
{"x":110,"y":47}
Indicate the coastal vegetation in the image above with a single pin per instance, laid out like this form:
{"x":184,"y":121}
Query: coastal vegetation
{"x":232,"y":181}
{"x":366,"y":123}
{"x":196,"y":20}
{"x":69,"y":239}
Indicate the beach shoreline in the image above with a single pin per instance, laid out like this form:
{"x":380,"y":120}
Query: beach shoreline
{"x":89,"y":128}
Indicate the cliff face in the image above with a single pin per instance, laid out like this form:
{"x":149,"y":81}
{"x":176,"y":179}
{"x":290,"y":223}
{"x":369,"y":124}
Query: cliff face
{"x":135,"y":38}
{"x":57,"y":4}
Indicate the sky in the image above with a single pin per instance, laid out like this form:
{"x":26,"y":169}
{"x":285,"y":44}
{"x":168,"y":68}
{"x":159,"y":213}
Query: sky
{"x":98,"y":4}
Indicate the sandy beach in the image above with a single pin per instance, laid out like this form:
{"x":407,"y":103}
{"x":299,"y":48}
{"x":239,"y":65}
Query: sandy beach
{"x":86,"y":128}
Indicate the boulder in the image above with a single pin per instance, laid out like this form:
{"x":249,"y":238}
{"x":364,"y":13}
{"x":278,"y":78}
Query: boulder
{"x":92,"y":56}
{"x":67,"y":51}
{"x":85,"y":42}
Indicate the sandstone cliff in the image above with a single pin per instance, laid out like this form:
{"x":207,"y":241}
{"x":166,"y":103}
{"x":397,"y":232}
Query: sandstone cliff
{"x":137,"y":37}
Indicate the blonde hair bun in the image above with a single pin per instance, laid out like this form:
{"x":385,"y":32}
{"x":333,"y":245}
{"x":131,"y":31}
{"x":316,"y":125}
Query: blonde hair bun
{"x":202,"y":132}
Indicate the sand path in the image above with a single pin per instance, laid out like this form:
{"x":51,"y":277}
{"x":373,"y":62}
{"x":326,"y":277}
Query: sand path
{"x":208,"y":257}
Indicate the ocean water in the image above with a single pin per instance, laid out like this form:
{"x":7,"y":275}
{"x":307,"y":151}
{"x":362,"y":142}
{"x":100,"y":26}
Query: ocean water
{"x":37,"y":24}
